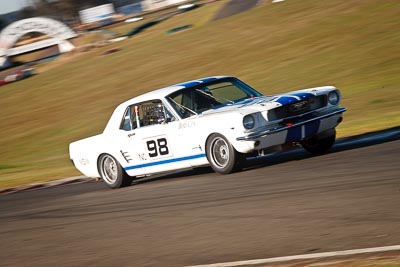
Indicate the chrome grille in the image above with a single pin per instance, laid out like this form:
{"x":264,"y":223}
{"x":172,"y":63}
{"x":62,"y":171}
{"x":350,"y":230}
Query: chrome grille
{"x":297,"y":108}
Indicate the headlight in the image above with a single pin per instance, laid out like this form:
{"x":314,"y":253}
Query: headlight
{"x":248,"y":122}
{"x":333,"y":97}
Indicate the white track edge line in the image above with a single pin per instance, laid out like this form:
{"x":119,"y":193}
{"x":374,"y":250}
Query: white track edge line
{"x":302,"y":257}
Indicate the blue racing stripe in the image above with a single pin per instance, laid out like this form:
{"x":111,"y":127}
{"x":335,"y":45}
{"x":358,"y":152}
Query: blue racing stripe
{"x":188,"y":84}
{"x":209,"y":79}
{"x":194,"y":83}
{"x":285,"y":100}
{"x":164,"y":162}
{"x":312,"y":128}
{"x":293,"y":134}
{"x":302,"y":95}
{"x":292,"y":98}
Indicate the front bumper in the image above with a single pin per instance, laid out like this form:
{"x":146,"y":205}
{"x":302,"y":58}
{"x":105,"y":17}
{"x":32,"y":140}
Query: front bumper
{"x":293,"y":123}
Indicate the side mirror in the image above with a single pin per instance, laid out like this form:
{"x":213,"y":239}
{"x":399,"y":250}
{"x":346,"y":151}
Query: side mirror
{"x":164,"y":121}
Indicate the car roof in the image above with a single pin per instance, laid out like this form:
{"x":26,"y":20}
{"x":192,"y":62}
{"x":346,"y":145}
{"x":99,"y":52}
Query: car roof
{"x":162,"y":92}
{"x":115,"y":118}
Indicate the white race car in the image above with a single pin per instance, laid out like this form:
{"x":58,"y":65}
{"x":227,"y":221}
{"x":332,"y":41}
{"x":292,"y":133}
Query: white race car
{"x":215,"y":121}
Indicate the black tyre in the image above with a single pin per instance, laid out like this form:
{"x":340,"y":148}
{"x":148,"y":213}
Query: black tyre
{"x":318,"y":144}
{"x":112,"y":173}
{"x":222,"y":155}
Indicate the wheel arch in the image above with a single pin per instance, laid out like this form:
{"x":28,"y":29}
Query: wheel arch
{"x":208,"y":138}
{"x":121,"y":178}
{"x":98,"y":160}
{"x":109,"y":154}
{"x":240,"y":146}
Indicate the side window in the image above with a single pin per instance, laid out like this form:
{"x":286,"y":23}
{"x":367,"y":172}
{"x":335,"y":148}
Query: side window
{"x":176,"y":101}
{"x":126,"y":121}
{"x":191,"y":102}
{"x":145,"y":114}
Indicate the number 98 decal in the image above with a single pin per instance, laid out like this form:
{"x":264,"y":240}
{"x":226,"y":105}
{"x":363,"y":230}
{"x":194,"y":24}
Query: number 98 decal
{"x":157,"y":147}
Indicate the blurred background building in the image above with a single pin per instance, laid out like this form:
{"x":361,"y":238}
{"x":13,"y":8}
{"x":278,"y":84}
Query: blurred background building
{"x":74,"y":12}
{"x":35,"y":27}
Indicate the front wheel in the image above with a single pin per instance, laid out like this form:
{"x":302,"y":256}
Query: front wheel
{"x":222,"y":155}
{"x":112,"y":173}
{"x":319,"y":144}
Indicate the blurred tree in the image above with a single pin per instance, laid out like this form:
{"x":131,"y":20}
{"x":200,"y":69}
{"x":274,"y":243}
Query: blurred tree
{"x":3,"y":23}
{"x":27,"y":12}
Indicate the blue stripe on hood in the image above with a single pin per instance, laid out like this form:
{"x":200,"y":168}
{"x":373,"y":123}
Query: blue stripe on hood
{"x":292,"y":98}
{"x":303,"y":95}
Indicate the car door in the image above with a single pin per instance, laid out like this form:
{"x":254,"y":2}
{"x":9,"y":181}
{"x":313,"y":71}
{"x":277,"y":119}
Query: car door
{"x":152,"y":139}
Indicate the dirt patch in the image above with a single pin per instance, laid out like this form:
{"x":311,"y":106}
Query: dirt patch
{"x":234,"y":7}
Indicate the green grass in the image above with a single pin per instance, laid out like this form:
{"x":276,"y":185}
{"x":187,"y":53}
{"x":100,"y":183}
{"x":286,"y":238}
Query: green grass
{"x":352,"y":44}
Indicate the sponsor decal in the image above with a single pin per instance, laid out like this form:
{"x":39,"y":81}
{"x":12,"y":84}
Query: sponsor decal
{"x":142,"y":156}
{"x":84,"y":161}
{"x":186,"y":124}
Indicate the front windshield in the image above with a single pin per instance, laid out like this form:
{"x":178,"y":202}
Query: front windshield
{"x":210,"y":95}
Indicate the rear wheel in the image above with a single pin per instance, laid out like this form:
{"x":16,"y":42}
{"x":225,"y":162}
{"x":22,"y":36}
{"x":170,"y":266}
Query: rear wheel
{"x":222,"y":155}
{"x":319,"y":144}
{"x":112,"y":173}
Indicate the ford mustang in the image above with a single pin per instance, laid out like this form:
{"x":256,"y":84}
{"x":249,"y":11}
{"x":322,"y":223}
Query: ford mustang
{"x":216,"y":121}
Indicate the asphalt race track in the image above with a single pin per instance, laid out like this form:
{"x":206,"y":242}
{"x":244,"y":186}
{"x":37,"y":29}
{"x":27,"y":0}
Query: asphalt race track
{"x":284,"y":205}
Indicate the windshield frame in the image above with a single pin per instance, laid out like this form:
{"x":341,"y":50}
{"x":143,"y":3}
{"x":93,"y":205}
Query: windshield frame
{"x":248,"y":90}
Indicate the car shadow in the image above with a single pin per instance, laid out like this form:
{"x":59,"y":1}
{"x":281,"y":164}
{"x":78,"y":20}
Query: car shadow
{"x":174,"y":175}
{"x":342,"y":144}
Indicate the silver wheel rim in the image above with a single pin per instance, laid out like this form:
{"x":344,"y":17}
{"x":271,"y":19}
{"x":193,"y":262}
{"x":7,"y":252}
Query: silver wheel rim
{"x":220,"y":152}
{"x":109,"y":170}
